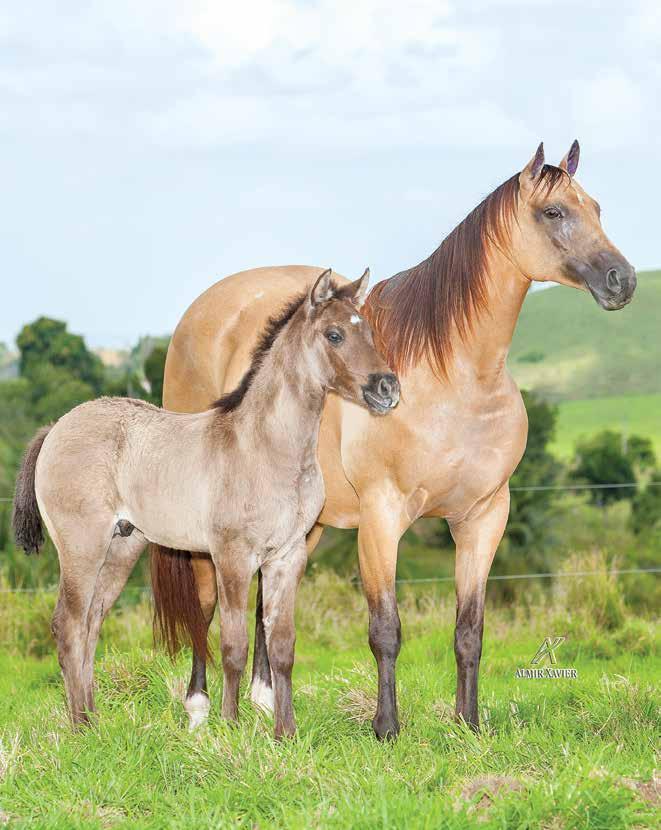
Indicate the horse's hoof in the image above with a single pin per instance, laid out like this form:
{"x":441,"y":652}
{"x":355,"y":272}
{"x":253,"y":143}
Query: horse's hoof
{"x":197,"y":706}
{"x":262,"y":696}
{"x":386,"y":729}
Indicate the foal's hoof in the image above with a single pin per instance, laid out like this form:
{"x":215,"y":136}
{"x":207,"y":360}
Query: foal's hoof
{"x":385,"y":729}
{"x":197,"y":706}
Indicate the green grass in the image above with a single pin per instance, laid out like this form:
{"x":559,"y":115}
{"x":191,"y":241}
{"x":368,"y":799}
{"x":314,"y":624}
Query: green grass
{"x":564,"y":754}
{"x":629,"y":414}
{"x":568,"y":348}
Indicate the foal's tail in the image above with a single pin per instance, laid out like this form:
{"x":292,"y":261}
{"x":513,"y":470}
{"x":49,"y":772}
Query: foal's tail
{"x":178,"y":615}
{"x":26,"y":520}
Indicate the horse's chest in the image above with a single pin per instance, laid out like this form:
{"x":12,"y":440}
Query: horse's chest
{"x":476,"y":452}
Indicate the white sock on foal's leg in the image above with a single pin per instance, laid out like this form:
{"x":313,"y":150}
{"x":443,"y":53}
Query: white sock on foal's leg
{"x":197,"y":706}
{"x":262,"y":695}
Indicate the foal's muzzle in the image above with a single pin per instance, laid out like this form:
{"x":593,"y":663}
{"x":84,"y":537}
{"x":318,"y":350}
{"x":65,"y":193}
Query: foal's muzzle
{"x":381,"y":393}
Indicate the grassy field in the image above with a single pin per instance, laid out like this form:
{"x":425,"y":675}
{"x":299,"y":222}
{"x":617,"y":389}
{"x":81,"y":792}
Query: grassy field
{"x":568,"y":348}
{"x":629,"y":414}
{"x":552,"y":754}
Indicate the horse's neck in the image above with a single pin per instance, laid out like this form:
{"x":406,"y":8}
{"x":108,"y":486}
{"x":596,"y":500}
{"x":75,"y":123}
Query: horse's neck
{"x":483,"y":352}
{"x":284,"y":402}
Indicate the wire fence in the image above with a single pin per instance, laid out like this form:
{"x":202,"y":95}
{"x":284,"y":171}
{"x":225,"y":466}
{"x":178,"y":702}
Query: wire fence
{"x":435,"y":579}
{"x":422,"y":580}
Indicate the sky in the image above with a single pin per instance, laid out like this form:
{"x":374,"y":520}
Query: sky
{"x":150,"y":148}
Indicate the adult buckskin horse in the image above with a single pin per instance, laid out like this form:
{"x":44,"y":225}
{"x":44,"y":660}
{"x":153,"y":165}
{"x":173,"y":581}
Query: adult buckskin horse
{"x":445,"y":327}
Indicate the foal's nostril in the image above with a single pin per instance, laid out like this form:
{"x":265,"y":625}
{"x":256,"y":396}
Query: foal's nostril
{"x":385,"y":388}
{"x":613,"y":281}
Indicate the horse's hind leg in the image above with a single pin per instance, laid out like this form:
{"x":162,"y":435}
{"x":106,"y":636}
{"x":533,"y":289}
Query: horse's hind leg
{"x":94,"y":568}
{"x":197,"y":696}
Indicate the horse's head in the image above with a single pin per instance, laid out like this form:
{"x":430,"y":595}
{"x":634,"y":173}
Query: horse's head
{"x":341,"y":340}
{"x":558,"y":234}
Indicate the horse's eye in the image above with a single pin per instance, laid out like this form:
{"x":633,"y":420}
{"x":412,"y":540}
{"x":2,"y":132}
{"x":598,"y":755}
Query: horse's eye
{"x":552,"y":213}
{"x":334,"y":336}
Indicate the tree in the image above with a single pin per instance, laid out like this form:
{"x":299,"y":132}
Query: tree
{"x":538,"y":468}
{"x":47,"y":341}
{"x":646,"y":507}
{"x":154,"y":370}
{"x":606,"y":458}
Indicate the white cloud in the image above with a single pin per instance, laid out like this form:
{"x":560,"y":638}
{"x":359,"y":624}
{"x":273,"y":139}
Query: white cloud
{"x":610,"y":106}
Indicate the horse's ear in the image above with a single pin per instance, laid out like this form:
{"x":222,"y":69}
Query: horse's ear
{"x":322,"y":290}
{"x":534,"y":166}
{"x":570,"y":162}
{"x":356,"y":291}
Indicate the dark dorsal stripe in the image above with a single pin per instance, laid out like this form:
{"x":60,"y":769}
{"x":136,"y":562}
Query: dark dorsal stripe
{"x":230,"y":401}
{"x":416,"y":313}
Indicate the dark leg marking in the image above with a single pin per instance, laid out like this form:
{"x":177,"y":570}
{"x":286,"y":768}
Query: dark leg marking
{"x":468,"y":650}
{"x":385,"y":638}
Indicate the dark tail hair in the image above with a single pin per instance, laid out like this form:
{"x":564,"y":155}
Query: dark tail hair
{"x":26,"y":520}
{"x":178,"y":614}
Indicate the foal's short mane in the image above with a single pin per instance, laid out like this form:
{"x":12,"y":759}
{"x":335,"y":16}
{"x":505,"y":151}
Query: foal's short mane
{"x":274,"y":325}
{"x":413,"y":313}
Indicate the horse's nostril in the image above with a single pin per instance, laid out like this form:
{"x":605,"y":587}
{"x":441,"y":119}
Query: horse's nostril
{"x":385,"y":389}
{"x":613,"y":280}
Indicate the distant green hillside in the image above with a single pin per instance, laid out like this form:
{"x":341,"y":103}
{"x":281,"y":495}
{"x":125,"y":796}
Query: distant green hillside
{"x":568,"y":348}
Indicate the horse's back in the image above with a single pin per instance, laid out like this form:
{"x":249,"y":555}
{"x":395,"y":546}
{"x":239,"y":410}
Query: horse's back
{"x":211,"y":347}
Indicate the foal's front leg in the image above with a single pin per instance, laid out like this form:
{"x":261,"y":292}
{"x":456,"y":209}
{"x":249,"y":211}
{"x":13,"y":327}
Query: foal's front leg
{"x":234,"y":573}
{"x":280,"y":581}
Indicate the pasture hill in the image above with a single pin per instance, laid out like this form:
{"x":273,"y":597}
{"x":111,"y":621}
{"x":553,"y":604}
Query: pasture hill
{"x":601,"y":368}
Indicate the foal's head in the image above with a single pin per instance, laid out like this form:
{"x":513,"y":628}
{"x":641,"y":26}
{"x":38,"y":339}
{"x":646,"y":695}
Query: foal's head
{"x":340,"y":339}
{"x":558,"y":234}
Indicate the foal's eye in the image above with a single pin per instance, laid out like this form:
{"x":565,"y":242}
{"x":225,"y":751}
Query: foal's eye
{"x":334,"y":336}
{"x":552,"y":212}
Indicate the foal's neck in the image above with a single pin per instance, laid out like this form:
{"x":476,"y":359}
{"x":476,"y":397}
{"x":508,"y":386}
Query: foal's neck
{"x":284,"y":402}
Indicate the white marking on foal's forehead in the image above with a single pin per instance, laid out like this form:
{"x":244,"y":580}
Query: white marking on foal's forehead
{"x":259,"y":294}
{"x":356,"y":319}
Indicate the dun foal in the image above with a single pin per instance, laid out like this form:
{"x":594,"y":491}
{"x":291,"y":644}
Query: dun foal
{"x":240,"y":482}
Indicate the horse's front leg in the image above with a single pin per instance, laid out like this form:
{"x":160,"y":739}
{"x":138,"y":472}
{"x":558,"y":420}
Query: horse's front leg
{"x":476,"y":538}
{"x":280,"y":582}
{"x":382,"y":523}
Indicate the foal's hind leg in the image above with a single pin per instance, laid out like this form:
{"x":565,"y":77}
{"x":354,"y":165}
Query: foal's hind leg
{"x":94,"y":568}
{"x":261,"y":691}
{"x":281,"y":578}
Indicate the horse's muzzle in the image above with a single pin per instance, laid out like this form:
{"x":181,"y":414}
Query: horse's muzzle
{"x":381,"y":393}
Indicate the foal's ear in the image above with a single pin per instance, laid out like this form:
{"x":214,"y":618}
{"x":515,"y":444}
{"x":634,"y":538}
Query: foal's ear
{"x":570,"y":162}
{"x":322,"y":290}
{"x":533,"y":168}
{"x":356,"y":291}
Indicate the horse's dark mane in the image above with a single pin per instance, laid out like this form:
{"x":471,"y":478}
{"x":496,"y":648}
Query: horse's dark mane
{"x":275,"y":324}
{"x":413,"y":313}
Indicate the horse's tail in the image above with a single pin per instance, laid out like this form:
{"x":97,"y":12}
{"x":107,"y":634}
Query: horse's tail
{"x":26,"y":519}
{"x":178,"y":615}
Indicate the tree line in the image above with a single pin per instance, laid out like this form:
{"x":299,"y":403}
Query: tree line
{"x":57,"y":371}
